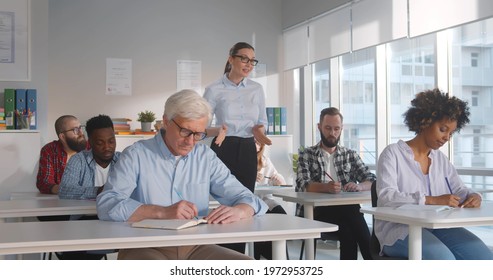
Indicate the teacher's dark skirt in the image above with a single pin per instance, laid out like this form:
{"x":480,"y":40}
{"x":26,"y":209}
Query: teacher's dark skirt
{"x":240,"y":156}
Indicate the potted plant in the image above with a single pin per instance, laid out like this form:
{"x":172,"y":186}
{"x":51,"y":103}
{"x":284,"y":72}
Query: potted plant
{"x":146,"y":118}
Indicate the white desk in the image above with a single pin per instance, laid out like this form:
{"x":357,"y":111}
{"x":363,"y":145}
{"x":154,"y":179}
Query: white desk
{"x":34,"y":237}
{"x":31,"y":195}
{"x":45,"y":207}
{"x":264,"y":190}
{"x":460,"y":217}
{"x":311,"y":200}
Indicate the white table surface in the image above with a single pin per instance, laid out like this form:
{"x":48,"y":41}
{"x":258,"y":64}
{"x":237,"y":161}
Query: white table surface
{"x":45,"y":207}
{"x":263,"y":190}
{"x":458,"y":217}
{"x":34,"y":237}
{"x":31,"y":195}
{"x":311,"y":200}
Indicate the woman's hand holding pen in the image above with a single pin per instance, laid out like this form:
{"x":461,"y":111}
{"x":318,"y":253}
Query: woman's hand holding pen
{"x":472,"y":201}
{"x":445,"y":199}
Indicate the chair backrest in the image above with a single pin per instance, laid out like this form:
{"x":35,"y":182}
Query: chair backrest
{"x":374,"y":242}
{"x":374,"y":196}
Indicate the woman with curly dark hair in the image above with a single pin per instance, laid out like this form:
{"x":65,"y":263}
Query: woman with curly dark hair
{"x":416,"y":172}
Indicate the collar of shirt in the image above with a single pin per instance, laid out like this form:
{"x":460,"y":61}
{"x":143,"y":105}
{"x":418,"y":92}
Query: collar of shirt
{"x":228,"y":82}
{"x":159,"y":138}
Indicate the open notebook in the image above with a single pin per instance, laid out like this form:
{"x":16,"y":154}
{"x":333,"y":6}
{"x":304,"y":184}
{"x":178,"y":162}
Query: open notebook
{"x":168,"y":224}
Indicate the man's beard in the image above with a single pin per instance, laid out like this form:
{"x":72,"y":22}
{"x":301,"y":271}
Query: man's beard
{"x":329,"y":143}
{"x":78,"y":144}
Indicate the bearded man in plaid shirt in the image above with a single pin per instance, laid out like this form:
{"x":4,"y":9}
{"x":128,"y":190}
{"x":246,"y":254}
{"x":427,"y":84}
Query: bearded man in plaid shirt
{"x":330,"y":168}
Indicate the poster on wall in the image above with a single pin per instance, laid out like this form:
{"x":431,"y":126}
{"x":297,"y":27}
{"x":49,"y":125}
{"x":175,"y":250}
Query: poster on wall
{"x":189,"y":75}
{"x":15,"y":40}
{"x":118,"y":76}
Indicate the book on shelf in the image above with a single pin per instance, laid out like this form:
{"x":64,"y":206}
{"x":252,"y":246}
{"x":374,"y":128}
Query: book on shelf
{"x":9,"y":107}
{"x":277,"y":120}
{"x":31,"y":105}
{"x":175,"y":224}
{"x":270,"y":120}
{"x":121,"y":125}
{"x":284,"y":120}
{"x":140,"y":132}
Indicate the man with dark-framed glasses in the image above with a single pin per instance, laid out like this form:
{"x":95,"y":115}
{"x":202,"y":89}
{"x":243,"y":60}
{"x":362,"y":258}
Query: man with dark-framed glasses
{"x":171,"y":176}
{"x":55,"y":155}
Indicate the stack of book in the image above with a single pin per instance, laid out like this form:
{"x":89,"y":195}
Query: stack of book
{"x":3,"y":125}
{"x":20,"y":104}
{"x":277,"y":120}
{"x":122,"y":126}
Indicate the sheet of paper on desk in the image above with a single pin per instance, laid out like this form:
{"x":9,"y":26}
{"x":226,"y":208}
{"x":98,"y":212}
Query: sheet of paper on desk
{"x":168,"y":224}
{"x":418,"y":207}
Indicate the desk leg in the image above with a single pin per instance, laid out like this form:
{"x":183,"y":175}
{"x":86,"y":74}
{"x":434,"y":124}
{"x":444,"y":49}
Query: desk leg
{"x":250,"y":248}
{"x":309,"y":243}
{"x":415,"y":242}
{"x":279,"y":250}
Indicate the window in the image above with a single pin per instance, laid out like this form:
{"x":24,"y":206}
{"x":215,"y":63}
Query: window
{"x":474,"y":98}
{"x":321,"y":89}
{"x":471,"y":81}
{"x":407,"y":54}
{"x":358,"y":103}
{"x":474,"y":59}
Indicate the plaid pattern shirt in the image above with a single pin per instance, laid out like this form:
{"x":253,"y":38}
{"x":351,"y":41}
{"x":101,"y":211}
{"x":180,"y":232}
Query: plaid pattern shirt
{"x":348,"y":165}
{"x":78,"y":177}
{"x":52,"y":161}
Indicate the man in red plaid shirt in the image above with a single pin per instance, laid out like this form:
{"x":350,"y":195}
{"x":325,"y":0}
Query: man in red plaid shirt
{"x":55,"y":155}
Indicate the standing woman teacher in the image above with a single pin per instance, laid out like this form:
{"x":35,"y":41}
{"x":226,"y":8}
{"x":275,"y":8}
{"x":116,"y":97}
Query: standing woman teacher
{"x":239,"y":106}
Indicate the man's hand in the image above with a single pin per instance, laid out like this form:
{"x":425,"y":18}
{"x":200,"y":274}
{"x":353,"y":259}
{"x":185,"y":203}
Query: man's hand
{"x":259,"y":134}
{"x":352,"y":187}
{"x":333,"y":187}
{"x":225,"y":214}
{"x":182,"y":210}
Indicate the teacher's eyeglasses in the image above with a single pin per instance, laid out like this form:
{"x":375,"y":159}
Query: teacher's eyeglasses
{"x":197,"y":136}
{"x":245,"y":59}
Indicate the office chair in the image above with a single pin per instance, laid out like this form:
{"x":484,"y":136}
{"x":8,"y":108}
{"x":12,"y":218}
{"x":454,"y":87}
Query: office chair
{"x":374,"y":243}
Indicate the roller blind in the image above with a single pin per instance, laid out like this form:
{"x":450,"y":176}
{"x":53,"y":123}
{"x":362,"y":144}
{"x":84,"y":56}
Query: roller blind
{"x":427,"y":16}
{"x":378,"y":21}
{"x":295,"y":47}
{"x":330,"y":35}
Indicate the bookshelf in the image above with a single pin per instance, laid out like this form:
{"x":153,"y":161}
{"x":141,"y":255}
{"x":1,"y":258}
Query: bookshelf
{"x":123,"y":141}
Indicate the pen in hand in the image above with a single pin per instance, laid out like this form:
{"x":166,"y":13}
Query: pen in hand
{"x":448,"y":185}
{"x":450,"y":189}
{"x":327,"y":174}
{"x":181,"y":198}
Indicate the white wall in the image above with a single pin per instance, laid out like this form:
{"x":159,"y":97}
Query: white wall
{"x":154,"y":35}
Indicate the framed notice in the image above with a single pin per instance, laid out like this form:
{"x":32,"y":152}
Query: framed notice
{"x":15,"y":40}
